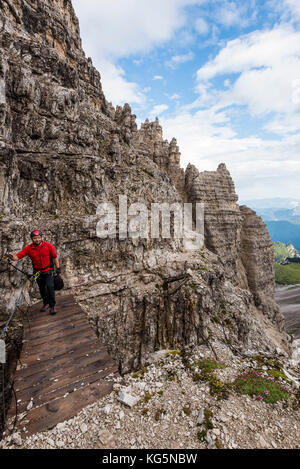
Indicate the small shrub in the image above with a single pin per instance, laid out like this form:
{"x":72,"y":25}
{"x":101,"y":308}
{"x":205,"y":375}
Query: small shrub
{"x":158,"y":414}
{"x":140,"y":374}
{"x":264,"y":389}
{"x":187,"y":410}
{"x":201,"y":435}
{"x":172,"y":375}
{"x":278,"y":374}
{"x":147,"y":397}
{"x":208,"y":415}
{"x":218,"y":444}
{"x":218,"y":388}
{"x":208,"y":364}
{"x":173,"y":352}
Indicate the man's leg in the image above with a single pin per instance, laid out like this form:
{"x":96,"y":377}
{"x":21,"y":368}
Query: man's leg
{"x":51,"y":291}
{"x":43,"y":292}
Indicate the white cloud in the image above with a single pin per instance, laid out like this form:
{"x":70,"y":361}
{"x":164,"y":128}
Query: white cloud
{"x":117,"y":89}
{"x":119,"y":28}
{"x":175,"y":96}
{"x":294,"y":7}
{"x":254,"y":50}
{"x":201,"y":26}
{"x":137,"y":62}
{"x":159,"y":109}
{"x":232,"y":13}
{"x":259,"y":167}
{"x":158,"y":77}
{"x":114,"y":29}
{"x":267,"y":64}
{"x":289,"y":9}
{"x":177,"y":60}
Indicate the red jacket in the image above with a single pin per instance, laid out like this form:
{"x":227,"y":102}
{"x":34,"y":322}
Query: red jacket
{"x":40,"y":255}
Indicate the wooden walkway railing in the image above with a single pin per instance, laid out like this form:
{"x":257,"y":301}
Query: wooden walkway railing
{"x":63,"y":368}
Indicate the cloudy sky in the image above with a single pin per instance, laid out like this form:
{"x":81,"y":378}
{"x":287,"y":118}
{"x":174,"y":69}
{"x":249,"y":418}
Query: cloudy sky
{"x":222,"y":76}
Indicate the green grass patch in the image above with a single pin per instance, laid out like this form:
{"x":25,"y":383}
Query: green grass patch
{"x":287,"y":274}
{"x":283,"y":251}
{"x":278,"y":374}
{"x":208,"y":364}
{"x":263,"y":388}
{"x":148,"y":396}
{"x":173,"y":352}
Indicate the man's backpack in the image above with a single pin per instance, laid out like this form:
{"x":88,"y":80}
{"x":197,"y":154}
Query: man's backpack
{"x":58,"y":283}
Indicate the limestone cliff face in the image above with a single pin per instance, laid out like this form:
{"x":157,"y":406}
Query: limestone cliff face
{"x":149,"y":141}
{"x":64,"y":149}
{"x":237,"y":235}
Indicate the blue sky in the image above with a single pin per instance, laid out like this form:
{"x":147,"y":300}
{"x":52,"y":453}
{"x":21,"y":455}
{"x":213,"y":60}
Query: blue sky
{"x":222,"y":76}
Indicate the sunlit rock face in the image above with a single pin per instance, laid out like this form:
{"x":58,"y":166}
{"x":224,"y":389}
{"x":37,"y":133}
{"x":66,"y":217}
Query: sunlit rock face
{"x":64,"y":150}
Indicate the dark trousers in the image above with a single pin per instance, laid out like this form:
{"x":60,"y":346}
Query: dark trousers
{"x":46,"y":286}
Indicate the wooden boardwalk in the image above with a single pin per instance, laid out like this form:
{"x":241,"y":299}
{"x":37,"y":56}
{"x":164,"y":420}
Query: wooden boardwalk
{"x":63,"y":366}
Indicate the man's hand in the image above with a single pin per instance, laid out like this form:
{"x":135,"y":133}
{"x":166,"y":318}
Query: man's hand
{"x":58,"y":271}
{"x":9,"y":256}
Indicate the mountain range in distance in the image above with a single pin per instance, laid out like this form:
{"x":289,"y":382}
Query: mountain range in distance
{"x":282,"y":217}
{"x":276,"y":202}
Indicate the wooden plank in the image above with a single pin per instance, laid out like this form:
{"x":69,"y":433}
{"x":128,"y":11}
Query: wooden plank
{"x":79,"y":383}
{"x":59,"y":410}
{"x":60,"y":300}
{"x":51,"y":363}
{"x":58,"y":371}
{"x":47,"y":318}
{"x":40,"y":399}
{"x":40,"y":334}
{"x":35,"y":310}
{"x":43,"y":392}
{"x":39,"y":328}
{"x":61,"y":336}
{"x":60,"y":349}
{"x":59,"y":393}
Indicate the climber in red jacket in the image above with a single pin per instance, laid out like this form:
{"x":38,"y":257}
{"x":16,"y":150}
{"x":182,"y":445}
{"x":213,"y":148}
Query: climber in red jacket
{"x":42,"y":254}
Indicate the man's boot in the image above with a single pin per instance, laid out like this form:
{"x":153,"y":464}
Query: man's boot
{"x":52,"y":311}
{"x":44,"y":308}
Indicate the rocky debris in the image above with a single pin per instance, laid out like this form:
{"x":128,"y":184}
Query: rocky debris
{"x":176,"y":411}
{"x":126,"y":399}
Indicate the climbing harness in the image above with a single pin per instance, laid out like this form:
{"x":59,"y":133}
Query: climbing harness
{"x":36,"y":276}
